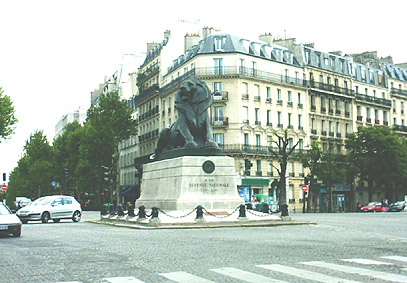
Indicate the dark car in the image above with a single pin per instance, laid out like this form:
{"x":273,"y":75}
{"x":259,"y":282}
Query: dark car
{"x":397,"y":206}
{"x":10,"y":224}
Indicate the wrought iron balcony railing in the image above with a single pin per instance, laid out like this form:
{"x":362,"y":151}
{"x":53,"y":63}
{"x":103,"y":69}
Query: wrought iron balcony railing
{"x":372,"y":99}
{"x":330,"y":88}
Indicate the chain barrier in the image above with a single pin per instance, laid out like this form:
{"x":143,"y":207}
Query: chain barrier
{"x":220,"y":217}
{"x":259,"y":215}
{"x":177,"y":217}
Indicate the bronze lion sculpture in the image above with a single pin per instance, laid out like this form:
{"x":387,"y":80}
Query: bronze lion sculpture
{"x":193,"y":127}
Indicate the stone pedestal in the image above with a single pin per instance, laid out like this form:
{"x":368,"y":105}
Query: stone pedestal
{"x":183,"y":183}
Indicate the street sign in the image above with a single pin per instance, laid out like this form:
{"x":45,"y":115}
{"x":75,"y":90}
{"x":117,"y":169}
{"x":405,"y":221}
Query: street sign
{"x":4,"y":187}
{"x":305,"y":188}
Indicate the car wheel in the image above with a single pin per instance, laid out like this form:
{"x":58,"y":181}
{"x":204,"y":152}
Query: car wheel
{"x":76,"y":216}
{"x":17,"y":234}
{"x":56,"y":220}
{"x":24,"y":221}
{"x":45,"y":217}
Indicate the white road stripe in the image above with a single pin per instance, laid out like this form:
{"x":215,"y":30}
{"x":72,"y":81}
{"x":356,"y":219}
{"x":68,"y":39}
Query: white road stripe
{"x":184,"y":277}
{"x":361,"y":271}
{"x":244,"y":275}
{"x":395,"y":257}
{"x":122,"y":280}
{"x":305,"y":274}
{"x":366,"y":261}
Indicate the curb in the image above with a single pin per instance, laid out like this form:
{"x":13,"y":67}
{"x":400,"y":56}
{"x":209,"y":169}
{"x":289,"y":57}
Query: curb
{"x":148,"y":226}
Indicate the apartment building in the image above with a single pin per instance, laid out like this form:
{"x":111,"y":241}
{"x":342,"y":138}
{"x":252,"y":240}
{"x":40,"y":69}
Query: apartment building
{"x":260,"y":88}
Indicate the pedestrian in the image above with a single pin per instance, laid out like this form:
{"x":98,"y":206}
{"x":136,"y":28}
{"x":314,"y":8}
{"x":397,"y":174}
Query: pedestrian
{"x":358,"y":206}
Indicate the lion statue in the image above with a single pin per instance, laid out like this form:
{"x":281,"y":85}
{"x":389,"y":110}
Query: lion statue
{"x":193,"y":127}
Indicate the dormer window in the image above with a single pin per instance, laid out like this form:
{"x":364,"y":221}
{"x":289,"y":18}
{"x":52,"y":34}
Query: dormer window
{"x":219,"y":43}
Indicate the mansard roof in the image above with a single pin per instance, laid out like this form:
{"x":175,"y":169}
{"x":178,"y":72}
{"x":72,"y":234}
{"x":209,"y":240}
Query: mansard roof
{"x":226,"y":43}
{"x":395,"y":72}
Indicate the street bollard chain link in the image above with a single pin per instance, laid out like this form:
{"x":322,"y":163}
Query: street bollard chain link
{"x":259,"y":215}
{"x":220,"y":217}
{"x":177,"y":217}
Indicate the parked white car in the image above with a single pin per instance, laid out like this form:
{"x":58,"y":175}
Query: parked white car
{"x":9,"y":222}
{"x":52,"y":208}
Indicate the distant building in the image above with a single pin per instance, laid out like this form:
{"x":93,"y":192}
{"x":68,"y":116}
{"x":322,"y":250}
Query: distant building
{"x":77,"y":115}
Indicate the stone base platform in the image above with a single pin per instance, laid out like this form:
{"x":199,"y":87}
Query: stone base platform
{"x":183,"y":183}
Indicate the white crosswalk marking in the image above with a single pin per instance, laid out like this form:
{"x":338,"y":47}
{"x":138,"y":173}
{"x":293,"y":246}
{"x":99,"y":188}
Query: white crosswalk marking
{"x":360,"y":271}
{"x":305,"y":274}
{"x":366,"y":261}
{"x":244,"y":275}
{"x":396,"y":258}
{"x":184,"y":277}
{"x":122,"y":280}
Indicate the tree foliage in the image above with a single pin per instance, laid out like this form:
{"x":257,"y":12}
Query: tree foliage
{"x":7,"y":116}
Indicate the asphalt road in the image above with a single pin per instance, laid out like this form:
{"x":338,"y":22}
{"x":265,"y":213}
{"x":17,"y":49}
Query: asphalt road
{"x":369,"y":247}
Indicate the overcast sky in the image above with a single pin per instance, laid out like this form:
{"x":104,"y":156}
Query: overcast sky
{"x":54,"y":53}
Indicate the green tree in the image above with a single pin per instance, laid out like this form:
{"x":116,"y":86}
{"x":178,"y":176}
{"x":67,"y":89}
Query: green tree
{"x":35,"y":170}
{"x":377,"y":152}
{"x":66,"y":153}
{"x":109,"y":122}
{"x":7,"y":118}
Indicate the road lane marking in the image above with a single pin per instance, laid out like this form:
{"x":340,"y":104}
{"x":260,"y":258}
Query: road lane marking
{"x":360,"y":271}
{"x":244,"y":275}
{"x":366,"y":261}
{"x":184,"y":277}
{"x":305,"y":274}
{"x":396,"y":257}
{"x":122,"y":280}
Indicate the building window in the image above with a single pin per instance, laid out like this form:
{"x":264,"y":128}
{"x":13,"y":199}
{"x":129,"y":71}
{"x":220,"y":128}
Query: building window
{"x":269,"y":118}
{"x":258,"y":140}
{"x":279,"y":122}
{"x":289,"y":97}
{"x":245,"y":114}
{"x":218,"y":66}
{"x":289,"y":120}
{"x":217,"y":87}
{"x":219,"y":139}
{"x":246,"y":139}
{"x":300,"y":122}
{"x":256,"y":115}
{"x":268,"y":92}
{"x":218,"y":114}
{"x":219,"y":43}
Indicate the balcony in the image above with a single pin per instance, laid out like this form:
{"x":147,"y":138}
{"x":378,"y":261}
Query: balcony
{"x":300,"y":128}
{"x":259,"y":173}
{"x":280,"y":126}
{"x":338,"y":112}
{"x":313,"y":108}
{"x":220,"y":122}
{"x":279,"y":102}
{"x":359,"y":118}
{"x":169,"y":109}
{"x":331,"y":134}
{"x":148,"y":114}
{"x":330,"y":111}
{"x":347,"y":114}
{"x":239,"y":149}
{"x":290,"y":126}
{"x":323,"y":133}
{"x":258,"y":123}
{"x":300,"y":105}
{"x":399,"y":128}
{"x":268,"y":100}
{"x":323,"y":110}
{"x":247,"y":172}
{"x":377,"y":122}
{"x":398,"y":91}
{"x":369,"y":120}
{"x":269,"y":174}
{"x":314,"y":132}
{"x":245,"y":96}
{"x":291,"y":174}
{"x":386,"y":123}
{"x":220,"y":96}
{"x":290,"y":103}
{"x":330,"y":88}
{"x":257,"y":98}
{"x":269,"y":124}
{"x":338,"y":135}
{"x":372,"y":99}
{"x":244,"y":72}
{"x":246,"y":122}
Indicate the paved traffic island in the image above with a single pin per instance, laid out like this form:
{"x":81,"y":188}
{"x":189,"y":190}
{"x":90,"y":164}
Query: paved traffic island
{"x":197,"y":218}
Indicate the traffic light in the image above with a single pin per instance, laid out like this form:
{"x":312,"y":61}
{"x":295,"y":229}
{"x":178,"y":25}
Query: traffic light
{"x":106,"y":173}
{"x":4,"y":177}
{"x":306,"y":181}
{"x":66,"y":172}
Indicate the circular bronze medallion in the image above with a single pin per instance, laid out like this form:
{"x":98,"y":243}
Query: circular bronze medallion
{"x":208,"y":166}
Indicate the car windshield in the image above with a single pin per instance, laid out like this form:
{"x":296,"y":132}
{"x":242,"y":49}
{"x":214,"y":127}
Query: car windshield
{"x":41,"y":201}
{"x":4,"y":210}
{"x":398,"y":203}
{"x":371,"y":204}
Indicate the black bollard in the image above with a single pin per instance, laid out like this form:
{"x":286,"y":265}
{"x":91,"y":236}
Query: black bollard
{"x":105,"y":209}
{"x":284,"y":210}
{"x":142,"y":212}
{"x":242,"y":210}
{"x":120,"y":210}
{"x":249,"y":205}
{"x":154,"y":213}
{"x":130,"y":211}
{"x":199,"y":212}
{"x":112,"y":210}
{"x":265,"y":208}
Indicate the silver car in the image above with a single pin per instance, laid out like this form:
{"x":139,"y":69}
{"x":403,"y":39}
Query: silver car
{"x":52,"y":208}
{"x":9,"y":222}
